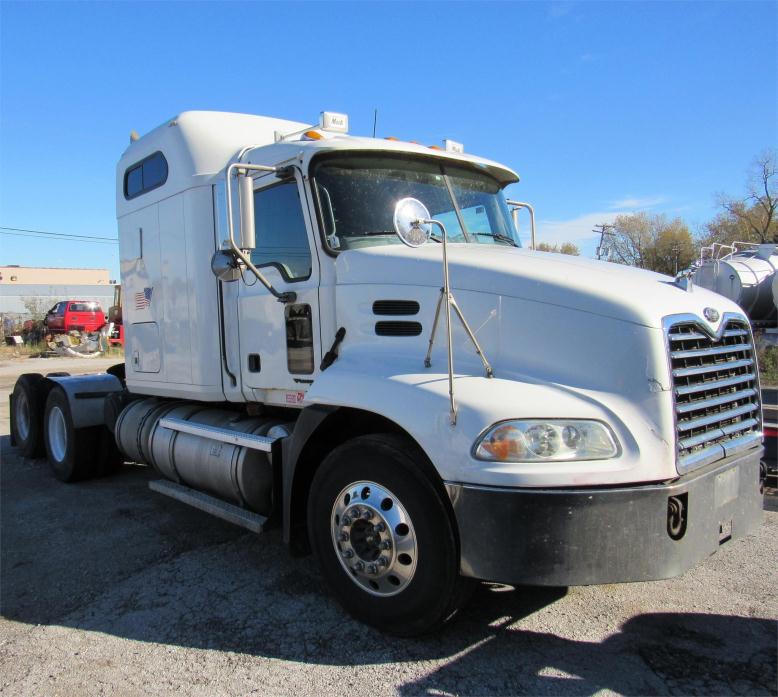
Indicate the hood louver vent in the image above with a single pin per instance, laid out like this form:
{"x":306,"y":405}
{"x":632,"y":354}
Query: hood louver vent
{"x":397,"y":328}
{"x":395,"y":307}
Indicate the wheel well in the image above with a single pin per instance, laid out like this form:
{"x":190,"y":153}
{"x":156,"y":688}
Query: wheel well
{"x":337,"y":428}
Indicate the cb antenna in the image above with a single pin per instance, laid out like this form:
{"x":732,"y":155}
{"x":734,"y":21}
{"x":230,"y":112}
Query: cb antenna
{"x":375,"y":120}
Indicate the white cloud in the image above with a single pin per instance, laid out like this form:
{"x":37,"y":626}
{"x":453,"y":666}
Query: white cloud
{"x":634,"y":202}
{"x":576,"y":230}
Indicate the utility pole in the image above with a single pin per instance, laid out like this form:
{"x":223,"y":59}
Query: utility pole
{"x":604,"y":247}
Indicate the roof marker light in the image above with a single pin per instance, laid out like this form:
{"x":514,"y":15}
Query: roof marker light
{"x":332,"y":121}
{"x":312,"y":135}
{"x":391,"y":138}
{"x":453,"y":146}
{"x":434,"y":147}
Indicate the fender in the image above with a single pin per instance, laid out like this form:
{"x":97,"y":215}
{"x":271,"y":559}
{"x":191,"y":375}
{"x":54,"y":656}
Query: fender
{"x":86,"y":395}
{"x":310,"y":419}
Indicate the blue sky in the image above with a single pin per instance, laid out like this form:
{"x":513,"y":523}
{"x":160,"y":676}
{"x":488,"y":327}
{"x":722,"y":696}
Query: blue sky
{"x":601,"y":107}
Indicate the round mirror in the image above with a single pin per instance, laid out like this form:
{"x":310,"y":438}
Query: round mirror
{"x":224,"y":266}
{"x":407,"y":212}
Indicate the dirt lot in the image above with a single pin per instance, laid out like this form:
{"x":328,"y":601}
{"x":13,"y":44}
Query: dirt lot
{"x":106,"y":588}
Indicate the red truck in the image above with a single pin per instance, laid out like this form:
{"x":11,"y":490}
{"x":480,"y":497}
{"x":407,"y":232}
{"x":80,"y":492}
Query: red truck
{"x":69,"y":315}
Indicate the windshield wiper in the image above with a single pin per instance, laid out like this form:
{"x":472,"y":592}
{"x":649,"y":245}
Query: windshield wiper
{"x":496,"y":236}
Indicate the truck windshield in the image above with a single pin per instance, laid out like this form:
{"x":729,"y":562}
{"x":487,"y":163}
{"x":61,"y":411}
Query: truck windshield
{"x":357,"y":195}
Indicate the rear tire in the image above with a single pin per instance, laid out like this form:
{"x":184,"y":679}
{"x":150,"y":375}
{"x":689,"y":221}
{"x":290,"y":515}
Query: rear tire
{"x":27,"y":417}
{"x":73,"y":453}
{"x":384,"y":538}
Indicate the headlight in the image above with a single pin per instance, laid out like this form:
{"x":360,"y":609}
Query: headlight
{"x":534,"y":440}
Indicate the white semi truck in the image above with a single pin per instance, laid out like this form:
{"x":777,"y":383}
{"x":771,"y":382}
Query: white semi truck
{"x":343,"y":337}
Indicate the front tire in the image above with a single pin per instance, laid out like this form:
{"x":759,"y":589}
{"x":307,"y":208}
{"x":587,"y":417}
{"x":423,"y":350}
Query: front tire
{"x":383,"y":536}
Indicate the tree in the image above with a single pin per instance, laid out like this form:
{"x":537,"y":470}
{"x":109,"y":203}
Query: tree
{"x":651,"y":241}
{"x":35,"y":306}
{"x":564,"y":248}
{"x":753,"y":218}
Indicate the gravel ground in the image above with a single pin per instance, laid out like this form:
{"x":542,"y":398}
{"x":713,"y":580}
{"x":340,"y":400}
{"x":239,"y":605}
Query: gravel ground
{"x":109,"y":589}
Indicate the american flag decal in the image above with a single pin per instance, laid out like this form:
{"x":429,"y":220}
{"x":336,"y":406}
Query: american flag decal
{"x":143,"y":300}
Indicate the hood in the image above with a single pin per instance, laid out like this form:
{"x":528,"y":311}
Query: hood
{"x":598,"y":287}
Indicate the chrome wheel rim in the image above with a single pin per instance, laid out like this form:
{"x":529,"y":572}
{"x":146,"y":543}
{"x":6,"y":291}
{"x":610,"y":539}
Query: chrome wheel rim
{"x":22,"y":415}
{"x":58,"y":435}
{"x":374,"y":538}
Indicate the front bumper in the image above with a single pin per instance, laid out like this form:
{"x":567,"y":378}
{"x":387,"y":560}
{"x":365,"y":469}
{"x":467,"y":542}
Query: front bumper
{"x":570,"y":537}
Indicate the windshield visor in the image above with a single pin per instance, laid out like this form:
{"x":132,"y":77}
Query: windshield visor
{"x":357,"y":195}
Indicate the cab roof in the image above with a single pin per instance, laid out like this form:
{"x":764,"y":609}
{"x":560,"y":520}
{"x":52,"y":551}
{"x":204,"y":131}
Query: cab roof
{"x":198,"y":145}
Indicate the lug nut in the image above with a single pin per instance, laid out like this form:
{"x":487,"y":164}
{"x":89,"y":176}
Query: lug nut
{"x":367,"y":515}
{"x":347,"y":553}
{"x":345,"y":520}
{"x":371,"y":569}
{"x":382,"y":561}
{"x":379,"y":527}
{"x":386,"y":544}
{"x":355,"y":512}
{"x":343,"y":537}
{"x":359,"y":566}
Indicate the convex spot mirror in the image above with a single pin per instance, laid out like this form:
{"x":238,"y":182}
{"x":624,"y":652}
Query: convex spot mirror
{"x":407,"y":214}
{"x":225,"y":266}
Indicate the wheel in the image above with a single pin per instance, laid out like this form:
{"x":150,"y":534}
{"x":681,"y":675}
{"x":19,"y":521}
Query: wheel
{"x":71,"y":452}
{"x":27,"y":421}
{"x":383,"y":537}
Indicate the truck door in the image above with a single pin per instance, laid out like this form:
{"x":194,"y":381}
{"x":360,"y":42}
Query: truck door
{"x":55,"y":319}
{"x":280,"y":347}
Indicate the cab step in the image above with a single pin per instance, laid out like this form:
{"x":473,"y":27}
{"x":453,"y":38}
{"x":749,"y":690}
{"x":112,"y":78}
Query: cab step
{"x":210,"y":504}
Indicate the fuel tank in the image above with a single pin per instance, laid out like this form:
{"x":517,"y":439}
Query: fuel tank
{"x":234,"y":473}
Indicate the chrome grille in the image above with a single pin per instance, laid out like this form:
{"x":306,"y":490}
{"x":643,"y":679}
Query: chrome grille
{"x":716,"y":393}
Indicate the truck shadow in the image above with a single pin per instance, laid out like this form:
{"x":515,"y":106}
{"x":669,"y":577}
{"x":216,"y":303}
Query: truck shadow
{"x":108,"y":557}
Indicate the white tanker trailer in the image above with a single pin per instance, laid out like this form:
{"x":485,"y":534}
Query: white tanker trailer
{"x":744,"y":273}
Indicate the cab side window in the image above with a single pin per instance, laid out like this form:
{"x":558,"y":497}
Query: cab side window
{"x":281,"y":237}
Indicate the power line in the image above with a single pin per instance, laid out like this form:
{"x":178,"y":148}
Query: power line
{"x":59,"y":234}
{"x":24,"y":232}
{"x":61,"y":239}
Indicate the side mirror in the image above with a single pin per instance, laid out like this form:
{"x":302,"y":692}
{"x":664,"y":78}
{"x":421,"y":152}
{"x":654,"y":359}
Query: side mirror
{"x":408,"y":214}
{"x":246,"y":195}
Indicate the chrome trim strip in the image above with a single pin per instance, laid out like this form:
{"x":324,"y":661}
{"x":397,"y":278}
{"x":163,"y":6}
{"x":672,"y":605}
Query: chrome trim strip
{"x":726,"y":398}
{"x":717,"y":433}
{"x":223,"y":435}
{"x":689,"y":424}
{"x":744,"y":442}
{"x":714,"y":385}
{"x":697,"y":335}
{"x":700,"y":458}
{"x":703,"y":325}
{"x":712,"y":368}
{"x":702,"y":353}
